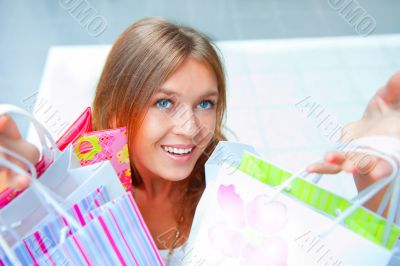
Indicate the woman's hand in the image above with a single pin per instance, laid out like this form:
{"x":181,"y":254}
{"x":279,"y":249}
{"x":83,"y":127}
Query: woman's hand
{"x":381,"y":118}
{"x":10,"y":138}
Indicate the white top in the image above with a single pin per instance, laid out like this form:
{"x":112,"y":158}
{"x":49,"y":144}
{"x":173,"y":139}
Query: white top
{"x":177,"y":258}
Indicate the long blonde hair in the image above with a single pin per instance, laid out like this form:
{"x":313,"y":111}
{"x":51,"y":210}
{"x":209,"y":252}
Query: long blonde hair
{"x":142,"y":58}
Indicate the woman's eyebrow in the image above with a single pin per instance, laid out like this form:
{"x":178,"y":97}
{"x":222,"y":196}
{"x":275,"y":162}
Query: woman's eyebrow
{"x":169,"y":92}
{"x":166,"y":91}
{"x":211,"y":93}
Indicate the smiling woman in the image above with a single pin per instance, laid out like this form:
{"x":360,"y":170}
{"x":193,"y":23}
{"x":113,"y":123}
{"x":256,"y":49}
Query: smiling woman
{"x":168,"y":139}
{"x":166,"y":84}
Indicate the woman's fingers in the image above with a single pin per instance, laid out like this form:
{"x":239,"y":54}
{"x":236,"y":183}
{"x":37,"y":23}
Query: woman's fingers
{"x":8,"y":128}
{"x":351,"y":162}
{"x":10,"y":139}
{"x":21,"y":182}
{"x":334,"y":157}
{"x":332,"y":164}
{"x":391,"y":92}
{"x":363,"y":166}
{"x":8,"y":179}
{"x":324,"y":168}
{"x":380,"y":170}
{"x":21,"y":147}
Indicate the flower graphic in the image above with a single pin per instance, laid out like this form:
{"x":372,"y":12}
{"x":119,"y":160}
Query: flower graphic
{"x":124,"y":131}
{"x":126,"y":179}
{"x":123,"y":154}
{"x":249,"y":232}
{"x":87,"y":147}
{"x":128,"y":172}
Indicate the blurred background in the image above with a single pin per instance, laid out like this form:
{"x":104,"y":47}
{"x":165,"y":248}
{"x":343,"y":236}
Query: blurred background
{"x":281,"y":57}
{"x":29,"y":28}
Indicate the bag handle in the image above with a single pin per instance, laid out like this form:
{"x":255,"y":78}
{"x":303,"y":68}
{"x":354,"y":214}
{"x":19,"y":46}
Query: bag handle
{"x":386,"y":148}
{"x":50,"y":151}
{"x":43,"y":193}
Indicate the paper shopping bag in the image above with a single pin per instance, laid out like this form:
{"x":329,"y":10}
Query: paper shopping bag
{"x":64,"y":176}
{"x":116,"y":235}
{"x":90,"y":147}
{"x":241,"y":226}
{"x":48,"y":235}
{"x":116,"y":232}
{"x":82,"y":125}
{"x":238,"y":223}
{"x":110,"y":144}
{"x":69,"y":181}
{"x":78,"y":128}
{"x":362,"y":221}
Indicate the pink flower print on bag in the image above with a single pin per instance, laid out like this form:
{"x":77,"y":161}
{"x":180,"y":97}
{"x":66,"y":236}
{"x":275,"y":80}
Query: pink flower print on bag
{"x":250,"y":231}
{"x":110,"y":145}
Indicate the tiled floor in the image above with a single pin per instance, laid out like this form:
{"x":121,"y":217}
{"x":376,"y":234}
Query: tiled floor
{"x":29,"y":28}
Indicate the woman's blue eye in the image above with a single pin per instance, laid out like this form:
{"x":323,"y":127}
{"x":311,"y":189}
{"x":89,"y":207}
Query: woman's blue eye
{"x":206,"y":104}
{"x":164,"y":104}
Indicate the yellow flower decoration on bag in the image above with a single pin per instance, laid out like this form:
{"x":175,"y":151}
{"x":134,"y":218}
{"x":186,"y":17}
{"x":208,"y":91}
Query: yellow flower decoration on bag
{"x":123,"y":154}
{"x":128,"y":172}
{"x":87,"y":147}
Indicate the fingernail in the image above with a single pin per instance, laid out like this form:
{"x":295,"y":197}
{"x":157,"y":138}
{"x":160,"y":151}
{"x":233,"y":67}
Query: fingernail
{"x":355,"y":171}
{"x":21,"y":182}
{"x":333,"y":159}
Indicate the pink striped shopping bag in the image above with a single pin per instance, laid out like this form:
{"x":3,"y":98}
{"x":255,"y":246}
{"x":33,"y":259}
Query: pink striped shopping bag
{"x":116,"y":235}
{"x":47,"y":236}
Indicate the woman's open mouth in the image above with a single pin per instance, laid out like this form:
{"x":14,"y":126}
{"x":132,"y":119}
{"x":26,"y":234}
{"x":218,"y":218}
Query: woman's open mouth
{"x":181,"y":153}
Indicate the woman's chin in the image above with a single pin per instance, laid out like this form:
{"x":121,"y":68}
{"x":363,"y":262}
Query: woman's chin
{"x":176,"y":175}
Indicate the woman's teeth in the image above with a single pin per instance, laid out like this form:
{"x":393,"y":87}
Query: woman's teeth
{"x":177,"y":151}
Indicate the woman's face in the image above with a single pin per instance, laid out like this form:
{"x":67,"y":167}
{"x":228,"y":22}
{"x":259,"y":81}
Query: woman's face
{"x":179,"y":123}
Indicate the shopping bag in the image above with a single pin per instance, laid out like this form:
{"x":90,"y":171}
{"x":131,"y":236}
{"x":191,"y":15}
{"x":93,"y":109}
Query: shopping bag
{"x":48,"y":202}
{"x":362,"y":221}
{"x":90,"y":147}
{"x":112,"y":145}
{"x":241,"y":221}
{"x":117,"y":235}
{"x":64,"y":176}
{"x":113,"y":235}
{"x":69,"y":184}
{"x":376,"y":229}
{"x":78,"y":128}
{"x":48,"y":235}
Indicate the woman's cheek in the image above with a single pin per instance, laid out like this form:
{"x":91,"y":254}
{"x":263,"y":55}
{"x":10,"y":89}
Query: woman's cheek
{"x":157,"y":123}
{"x":206,"y":133}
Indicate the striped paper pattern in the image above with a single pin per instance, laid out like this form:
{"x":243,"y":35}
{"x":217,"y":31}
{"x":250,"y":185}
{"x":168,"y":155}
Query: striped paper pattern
{"x":47,"y":236}
{"x":116,"y":235}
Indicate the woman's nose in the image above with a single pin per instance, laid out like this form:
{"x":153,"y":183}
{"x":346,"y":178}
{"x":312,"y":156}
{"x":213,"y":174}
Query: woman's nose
{"x":185,"y":121}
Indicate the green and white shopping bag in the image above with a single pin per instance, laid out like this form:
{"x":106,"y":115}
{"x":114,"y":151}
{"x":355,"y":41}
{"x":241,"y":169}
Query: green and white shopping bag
{"x":255,"y":213}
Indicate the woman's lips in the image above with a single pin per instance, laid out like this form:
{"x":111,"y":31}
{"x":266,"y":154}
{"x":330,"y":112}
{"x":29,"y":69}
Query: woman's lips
{"x":179,"y":158}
